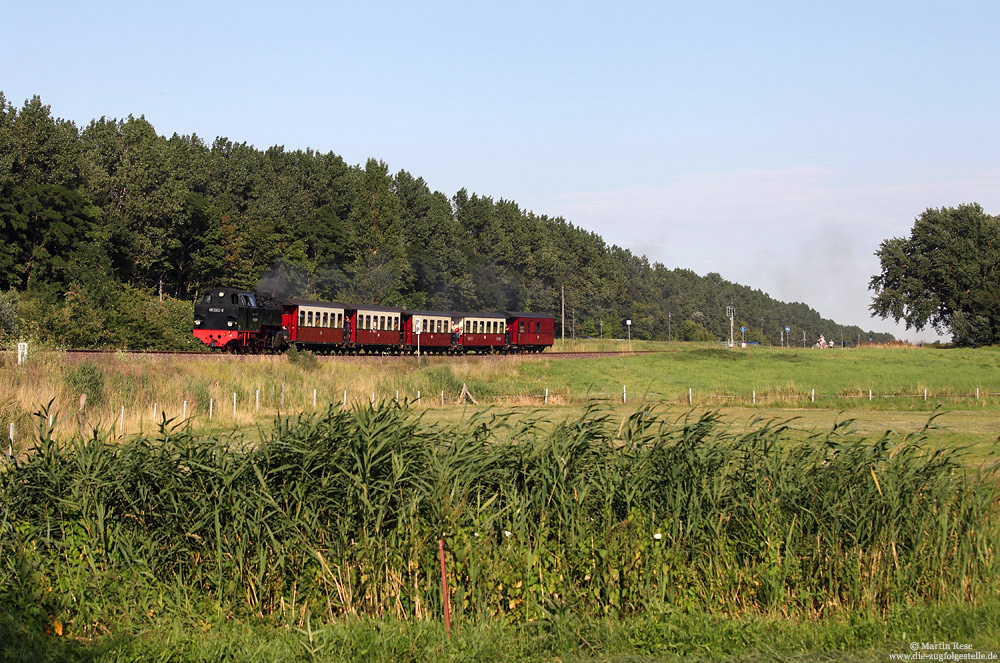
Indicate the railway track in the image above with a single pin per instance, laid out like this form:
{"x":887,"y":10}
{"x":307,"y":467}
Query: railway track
{"x":83,"y":354}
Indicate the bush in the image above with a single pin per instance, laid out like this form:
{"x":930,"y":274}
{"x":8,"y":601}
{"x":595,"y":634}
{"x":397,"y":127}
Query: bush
{"x":8,"y":313}
{"x":304,"y":359}
{"x":88,"y":378}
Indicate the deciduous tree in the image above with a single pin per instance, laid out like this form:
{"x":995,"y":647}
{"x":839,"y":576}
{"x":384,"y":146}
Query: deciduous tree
{"x":945,"y":275}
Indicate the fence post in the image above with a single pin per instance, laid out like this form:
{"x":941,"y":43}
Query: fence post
{"x":442,"y":398}
{"x":690,"y":397}
{"x":869,"y":395}
{"x":754,"y":396}
{"x":925,"y":394}
{"x":258,"y":400}
{"x":977,"y":393}
{"x":345,"y":398}
{"x":397,"y":395}
{"x":10,"y":443}
{"x":184,"y":414}
{"x":282,"y":396}
{"x":22,"y":353}
{"x":546,"y":396}
{"x":624,"y":395}
{"x":812,"y":396}
{"x":314,"y":399}
{"x":234,"y":405}
{"x":121,"y":422}
{"x":418,"y":397}
{"x":211,"y":408}
{"x":154,"y":412}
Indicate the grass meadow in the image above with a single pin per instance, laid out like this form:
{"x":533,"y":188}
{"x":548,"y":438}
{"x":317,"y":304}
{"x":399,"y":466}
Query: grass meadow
{"x":600,"y":525}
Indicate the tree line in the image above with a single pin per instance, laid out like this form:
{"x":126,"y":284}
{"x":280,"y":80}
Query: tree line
{"x":110,"y":231}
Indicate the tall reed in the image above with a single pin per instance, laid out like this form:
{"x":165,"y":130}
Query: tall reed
{"x":339,"y":513}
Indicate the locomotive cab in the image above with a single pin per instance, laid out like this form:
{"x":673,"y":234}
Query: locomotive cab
{"x":226,"y":309}
{"x":235,"y":319}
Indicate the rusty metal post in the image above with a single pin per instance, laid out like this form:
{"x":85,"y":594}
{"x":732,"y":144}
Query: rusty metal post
{"x":444,"y":590}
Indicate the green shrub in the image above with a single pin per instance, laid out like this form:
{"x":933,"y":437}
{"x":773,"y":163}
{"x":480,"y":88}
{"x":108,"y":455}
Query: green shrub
{"x":304,"y":359}
{"x":87,"y":378}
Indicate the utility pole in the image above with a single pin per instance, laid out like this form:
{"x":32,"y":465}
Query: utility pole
{"x":563,"y":325}
{"x":669,"y":335}
{"x":574,"y":324}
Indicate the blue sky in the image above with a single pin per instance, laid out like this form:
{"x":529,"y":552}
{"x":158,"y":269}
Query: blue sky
{"x":776,"y":143}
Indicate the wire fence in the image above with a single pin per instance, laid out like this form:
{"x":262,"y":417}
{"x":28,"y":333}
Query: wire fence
{"x":248,"y":409}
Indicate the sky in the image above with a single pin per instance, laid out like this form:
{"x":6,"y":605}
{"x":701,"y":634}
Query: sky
{"x":775,"y":143}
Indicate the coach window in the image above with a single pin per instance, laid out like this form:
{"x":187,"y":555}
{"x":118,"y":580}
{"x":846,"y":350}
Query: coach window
{"x":302,"y":318}
{"x":340,"y":319}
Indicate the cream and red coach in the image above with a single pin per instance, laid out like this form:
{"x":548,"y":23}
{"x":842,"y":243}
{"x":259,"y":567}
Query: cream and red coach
{"x":428,"y":331}
{"x":374,"y":329}
{"x":481,"y":332}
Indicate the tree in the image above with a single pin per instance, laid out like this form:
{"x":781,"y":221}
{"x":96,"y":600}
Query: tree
{"x":946,"y":274}
{"x":380,"y":272}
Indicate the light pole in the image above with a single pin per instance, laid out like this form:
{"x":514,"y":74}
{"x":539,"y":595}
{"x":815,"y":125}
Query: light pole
{"x":628,"y":323}
{"x":602,"y":330}
{"x":731,"y":312}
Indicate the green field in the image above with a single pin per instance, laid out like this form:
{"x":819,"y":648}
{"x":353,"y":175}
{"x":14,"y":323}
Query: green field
{"x":839,"y":528}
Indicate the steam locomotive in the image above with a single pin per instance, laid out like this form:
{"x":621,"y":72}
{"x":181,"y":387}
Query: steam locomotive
{"x":240,"y":321}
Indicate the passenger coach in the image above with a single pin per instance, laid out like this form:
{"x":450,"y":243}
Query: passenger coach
{"x":530,"y":332}
{"x":481,"y":332}
{"x":430,"y":331}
